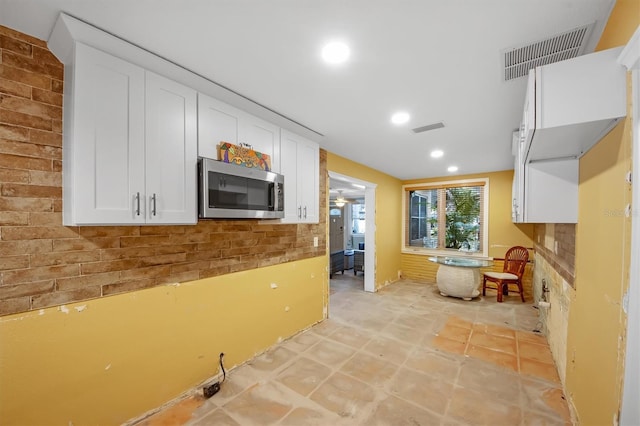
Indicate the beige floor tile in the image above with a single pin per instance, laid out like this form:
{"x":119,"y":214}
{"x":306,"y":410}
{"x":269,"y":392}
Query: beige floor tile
{"x":528,"y":336}
{"x":502,"y":359}
{"x":388,"y":349}
{"x":459,"y":322}
{"x":302,"y":341}
{"x":432,"y":363}
{"x":477,"y":408}
{"x":178,"y":413}
{"x":309,"y":417}
{"x":393,"y":411}
{"x":261,"y":404}
{"x":369,"y":369}
{"x":495,"y":330}
{"x":403,"y":334}
{"x":412,"y":321}
{"x":216,"y":417}
{"x":537,"y":419}
{"x":344,"y":395}
{"x":422,"y":389}
{"x":455,"y":333}
{"x":272,"y":360}
{"x":304,"y":375}
{"x":545,"y":398}
{"x":491,"y":380}
{"x":351,"y":337}
{"x":496,"y":343}
{"x":536,"y":352}
{"x":448,"y":345}
{"x":539,"y":369}
{"x":330,"y":353}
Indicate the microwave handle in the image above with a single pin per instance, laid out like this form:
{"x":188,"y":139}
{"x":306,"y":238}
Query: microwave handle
{"x":272,"y":196}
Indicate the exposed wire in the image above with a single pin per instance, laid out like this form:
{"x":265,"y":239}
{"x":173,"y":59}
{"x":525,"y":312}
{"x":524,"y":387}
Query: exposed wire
{"x":224,"y":373}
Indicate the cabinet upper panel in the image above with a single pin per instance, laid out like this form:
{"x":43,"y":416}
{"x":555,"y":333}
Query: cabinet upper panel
{"x":219,"y":122}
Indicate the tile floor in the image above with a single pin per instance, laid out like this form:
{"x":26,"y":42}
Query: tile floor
{"x":402,"y":356}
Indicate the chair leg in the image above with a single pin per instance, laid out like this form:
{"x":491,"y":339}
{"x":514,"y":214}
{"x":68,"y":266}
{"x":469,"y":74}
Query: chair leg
{"x":500,"y":288}
{"x":484,"y":286}
{"x":521,"y":290}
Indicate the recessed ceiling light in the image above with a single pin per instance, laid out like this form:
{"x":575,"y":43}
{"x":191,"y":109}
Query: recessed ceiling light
{"x":437,"y":153}
{"x":452,"y":169}
{"x":400,"y":117}
{"x":335,"y":52}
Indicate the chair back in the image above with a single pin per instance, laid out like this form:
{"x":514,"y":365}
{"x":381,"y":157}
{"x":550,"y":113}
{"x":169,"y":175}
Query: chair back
{"x":515,"y":260}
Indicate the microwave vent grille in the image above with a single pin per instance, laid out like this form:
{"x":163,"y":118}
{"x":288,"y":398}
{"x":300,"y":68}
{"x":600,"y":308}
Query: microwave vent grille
{"x":520,"y":59}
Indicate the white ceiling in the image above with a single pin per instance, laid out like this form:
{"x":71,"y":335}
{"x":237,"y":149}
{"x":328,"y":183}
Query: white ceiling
{"x":438,"y":60}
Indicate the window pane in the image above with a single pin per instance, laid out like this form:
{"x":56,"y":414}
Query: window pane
{"x":463,"y":218}
{"x":423,"y":221}
{"x":358,"y":218}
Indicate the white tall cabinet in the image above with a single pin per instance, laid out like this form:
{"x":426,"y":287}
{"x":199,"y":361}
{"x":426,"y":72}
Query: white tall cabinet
{"x":130,"y":144}
{"x":299,"y":163}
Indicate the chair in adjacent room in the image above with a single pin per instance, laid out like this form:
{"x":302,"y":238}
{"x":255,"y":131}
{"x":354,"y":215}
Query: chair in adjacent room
{"x":514,"y":263}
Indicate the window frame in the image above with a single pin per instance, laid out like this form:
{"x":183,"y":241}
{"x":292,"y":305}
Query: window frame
{"x":423,"y":251}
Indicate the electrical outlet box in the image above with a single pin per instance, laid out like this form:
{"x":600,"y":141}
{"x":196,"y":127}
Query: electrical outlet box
{"x":209,"y":391}
{"x":315,"y":241}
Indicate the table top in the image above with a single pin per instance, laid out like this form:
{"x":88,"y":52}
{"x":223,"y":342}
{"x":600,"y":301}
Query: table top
{"x":463,"y":262}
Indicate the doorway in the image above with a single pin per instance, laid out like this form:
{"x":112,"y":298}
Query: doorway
{"x":351,"y":190}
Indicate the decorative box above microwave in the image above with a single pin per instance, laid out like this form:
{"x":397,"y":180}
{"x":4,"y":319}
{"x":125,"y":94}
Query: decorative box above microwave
{"x":570,"y":105}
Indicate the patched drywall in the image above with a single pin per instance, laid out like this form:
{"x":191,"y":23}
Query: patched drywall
{"x":108,"y":360}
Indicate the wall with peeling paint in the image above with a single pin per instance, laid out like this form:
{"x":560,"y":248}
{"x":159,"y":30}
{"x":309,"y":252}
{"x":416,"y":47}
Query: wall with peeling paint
{"x":107,"y":360}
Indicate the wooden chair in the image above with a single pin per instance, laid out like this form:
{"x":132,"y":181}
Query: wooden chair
{"x":514,"y":263}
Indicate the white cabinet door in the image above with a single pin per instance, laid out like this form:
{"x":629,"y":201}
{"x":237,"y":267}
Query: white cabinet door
{"x":171,"y":151}
{"x":261,"y":135}
{"x":217,"y":122}
{"x":104,"y":140}
{"x":289,"y":168}
{"x":299,"y":163}
{"x":308,"y":159}
{"x":130,"y":145}
{"x":220,"y":122}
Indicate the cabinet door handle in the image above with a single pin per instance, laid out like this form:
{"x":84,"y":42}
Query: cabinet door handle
{"x":299,"y":212}
{"x":305,"y":212}
{"x":137,"y":204}
{"x":153,"y":200}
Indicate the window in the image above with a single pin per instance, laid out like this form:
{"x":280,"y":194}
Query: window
{"x":446,"y":216}
{"x":357,"y":218}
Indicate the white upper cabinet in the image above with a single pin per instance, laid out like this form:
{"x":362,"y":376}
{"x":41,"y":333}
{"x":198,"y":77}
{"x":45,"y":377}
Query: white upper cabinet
{"x":130,"y":144}
{"x":572,"y":104}
{"x":220,"y":122}
{"x":171,"y":151}
{"x":103,"y":152}
{"x":299,"y":163}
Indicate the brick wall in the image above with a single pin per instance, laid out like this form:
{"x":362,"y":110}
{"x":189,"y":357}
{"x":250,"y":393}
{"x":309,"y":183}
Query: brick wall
{"x":43,"y":263}
{"x":564,"y":234}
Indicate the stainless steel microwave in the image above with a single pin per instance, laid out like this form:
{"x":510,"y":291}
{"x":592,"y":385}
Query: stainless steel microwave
{"x":234,"y":191}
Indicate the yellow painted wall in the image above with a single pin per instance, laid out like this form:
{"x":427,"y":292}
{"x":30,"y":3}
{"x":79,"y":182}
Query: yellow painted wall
{"x":388,"y":215}
{"x":503,"y":233}
{"x":108,"y":360}
{"x":597,"y":323}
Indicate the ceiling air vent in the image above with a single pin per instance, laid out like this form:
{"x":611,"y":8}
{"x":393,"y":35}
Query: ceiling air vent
{"x":433,"y":126}
{"x":519,"y":60}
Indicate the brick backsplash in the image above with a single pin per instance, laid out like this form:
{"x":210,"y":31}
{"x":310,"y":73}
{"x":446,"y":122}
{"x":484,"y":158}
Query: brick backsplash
{"x":563,"y":262}
{"x":43,"y":263}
